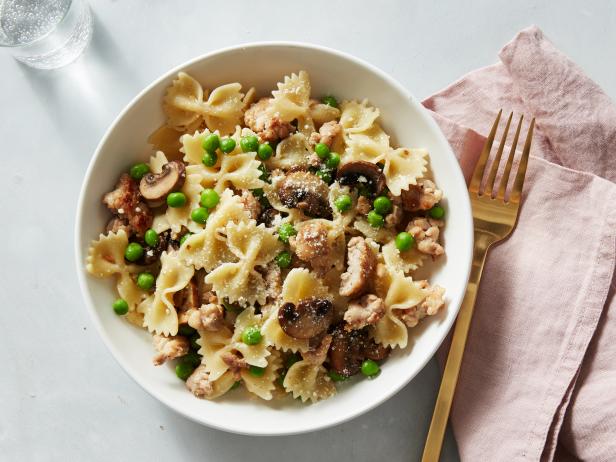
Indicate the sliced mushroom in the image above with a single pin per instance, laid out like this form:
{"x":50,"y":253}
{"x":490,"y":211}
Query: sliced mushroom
{"x":311,"y":317}
{"x":307,"y":192}
{"x":350,"y":348}
{"x":154,"y":187}
{"x":346,"y":351}
{"x":360,"y":171}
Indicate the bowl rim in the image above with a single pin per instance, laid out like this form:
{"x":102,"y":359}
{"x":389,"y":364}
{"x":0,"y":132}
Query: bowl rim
{"x":454,"y":303}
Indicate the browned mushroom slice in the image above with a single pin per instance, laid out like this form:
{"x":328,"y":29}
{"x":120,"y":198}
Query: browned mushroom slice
{"x":307,"y":192}
{"x":154,"y":187}
{"x":349,"y":348}
{"x":346,"y":350}
{"x":311,"y":317}
{"x":360,"y":171}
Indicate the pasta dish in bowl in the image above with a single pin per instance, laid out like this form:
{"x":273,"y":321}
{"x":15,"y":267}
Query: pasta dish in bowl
{"x":273,"y":239}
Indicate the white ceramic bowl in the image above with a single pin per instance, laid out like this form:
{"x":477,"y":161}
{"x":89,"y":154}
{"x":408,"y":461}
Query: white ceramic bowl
{"x":262,"y":65}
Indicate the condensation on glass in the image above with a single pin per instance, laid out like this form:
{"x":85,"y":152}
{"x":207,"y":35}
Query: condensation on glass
{"x":45,"y":34}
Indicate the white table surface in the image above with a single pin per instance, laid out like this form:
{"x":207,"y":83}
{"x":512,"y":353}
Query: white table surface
{"x":62,"y":395}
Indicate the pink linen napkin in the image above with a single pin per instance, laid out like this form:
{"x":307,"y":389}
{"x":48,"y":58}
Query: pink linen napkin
{"x":538,"y":381}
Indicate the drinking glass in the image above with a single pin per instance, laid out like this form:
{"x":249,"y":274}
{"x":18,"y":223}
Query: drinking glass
{"x":45,"y":34}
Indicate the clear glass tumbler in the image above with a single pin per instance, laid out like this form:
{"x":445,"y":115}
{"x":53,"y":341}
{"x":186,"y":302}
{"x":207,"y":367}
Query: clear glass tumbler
{"x":45,"y":34}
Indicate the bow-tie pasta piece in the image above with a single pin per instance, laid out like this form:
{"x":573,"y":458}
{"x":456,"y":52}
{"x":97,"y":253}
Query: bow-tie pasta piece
{"x":224,"y":108}
{"x":403,"y":167}
{"x":307,"y":379}
{"x":208,"y":248}
{"x":183,"y":102}
{"x":106,"y":255}
{"x":357,"y":117}
{"x":239,"y":281}
{"x":263,"y":385}
{"x":160,"y":316}
{"x":292,"y":152}
{"x":292,"y":99}
{"x":402,"y":293}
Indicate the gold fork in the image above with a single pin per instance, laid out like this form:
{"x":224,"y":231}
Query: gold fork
{"x":494,"y":220}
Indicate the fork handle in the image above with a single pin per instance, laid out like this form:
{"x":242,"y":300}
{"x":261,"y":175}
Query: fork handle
{"x":434,"y":441}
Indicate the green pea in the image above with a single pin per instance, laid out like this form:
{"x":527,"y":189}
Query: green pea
{"x":235,"y":385}
{"x":343,"y":203}
{"x":120,"y":306}
{"x":265,"y":151}
{"x":249,"y":143}
{"x":186,"y":331}
{"x":322,"y":151}
{"x":209,"y":198}
{"x":375,"y":220}
{"x":382,"y":205}
{"x":264,"y":173}
{"x":176,"y":199}
{"x":437,"y":212}
{"x":330,"y":101}
{"x":251,"y":335}
{"x":192,"y":358}
{"x":151,"y":238}
{"x":138,"y":171}
{"x":325,"y":175}
{"x":333,"y":160}
{"x":199,"y":215}
{"x":184,"y":369}
{"x":184,"y":237}
{"x":292,"y":360}
{"x":285,"y":231}
{"x":209,"y":159}
{"x":211,"y":143}
{"x":370,"y":368}
{"x":283,"y":259}
{"x":256,"y":371}
{"x":336,"y":377}
{"x":133,"y":251}
{"x":145,"y":280}
{"x":227,"y":145}
{"x":404,"y":241}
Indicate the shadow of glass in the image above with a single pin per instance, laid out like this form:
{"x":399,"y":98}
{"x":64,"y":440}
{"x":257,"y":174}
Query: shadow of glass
{"x":82,"y":98}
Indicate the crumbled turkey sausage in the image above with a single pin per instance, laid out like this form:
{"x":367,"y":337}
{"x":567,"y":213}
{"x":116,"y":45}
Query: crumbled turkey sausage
{"x":426,"y":232}
{"x":428,"y":307}
{"x":394,"y":218}
{"x":361,"y":264}
{"x":273,"y":281}
{"x":199,"y":383}
{"x":125,"y":201}
{"x":116,"y":224}
{"x":327,"y":133}
{"x":422,"y":196}
{"x":261,"y":120}
{"x":251,"y":204}
{"x":208,"y":317}
{"x":169,"y":348}
{"x":363,"y":205}
{"x":235,"y":362}
{"x":365,"y":311}
{"x":313,"y":245}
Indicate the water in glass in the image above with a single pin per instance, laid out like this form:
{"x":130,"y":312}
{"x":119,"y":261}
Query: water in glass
{"x":45,"y":33}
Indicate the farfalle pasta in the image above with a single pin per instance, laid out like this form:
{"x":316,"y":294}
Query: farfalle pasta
{"x":271,"y":243}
